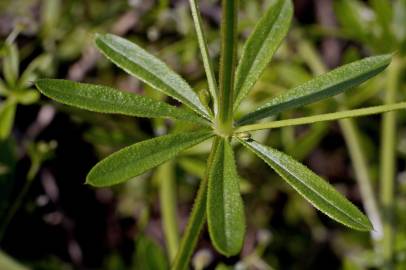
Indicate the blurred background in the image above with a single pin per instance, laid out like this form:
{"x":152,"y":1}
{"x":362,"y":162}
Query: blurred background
{"x":50,"y":220}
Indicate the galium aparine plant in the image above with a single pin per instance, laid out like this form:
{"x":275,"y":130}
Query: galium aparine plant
{"x":219,"y":200}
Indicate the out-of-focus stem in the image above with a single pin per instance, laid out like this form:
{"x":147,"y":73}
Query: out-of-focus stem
{"x":168,"y":207}
{"x":388,"y":165}
{"x":362,"y":175}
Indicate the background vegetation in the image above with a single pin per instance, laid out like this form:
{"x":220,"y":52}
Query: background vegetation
{"x":49,"y":219}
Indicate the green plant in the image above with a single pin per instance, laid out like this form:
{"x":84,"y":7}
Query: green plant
{"x":219,"y":198}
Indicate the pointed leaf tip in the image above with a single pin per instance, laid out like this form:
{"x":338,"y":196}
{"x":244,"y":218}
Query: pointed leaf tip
{"x":321,"y":87}
{"x":312,"y":187}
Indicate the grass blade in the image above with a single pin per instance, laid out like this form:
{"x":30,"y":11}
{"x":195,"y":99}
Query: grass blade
{"x":146,"y":67}
{"x":312,"y":187}
{"x":196,"y":220}
{"x":321,"y":87}
{"x":225,"y":209}
{"x":140,"y":157}
{"x":261,"y":46}
{"x":105,"y":99}
{"x":324,"y":117}
{"x":208,"y":67}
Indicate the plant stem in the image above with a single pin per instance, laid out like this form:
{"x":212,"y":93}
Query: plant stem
{"x":388,"y":166}
{"x":196,"y":220}
{"x":362,"y":175}
{"x":324,"y":117}
{"x":168,"y":207}
{"x":14,"y":208}
{"x":227,"y":65}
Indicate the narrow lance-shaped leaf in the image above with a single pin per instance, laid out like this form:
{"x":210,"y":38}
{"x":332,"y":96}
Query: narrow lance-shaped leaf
{"x":140,"y":157}
{"x":225,"y":209}
{"x":208,"y":67}
{"x":105,"y":99}
{"x":146,"y":67}
{"x":261,"y":46}
{"x":321,"y":87}
{"x":311,"y":186}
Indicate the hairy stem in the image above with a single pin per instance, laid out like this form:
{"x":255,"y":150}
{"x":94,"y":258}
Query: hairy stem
{"x":227,"y":65}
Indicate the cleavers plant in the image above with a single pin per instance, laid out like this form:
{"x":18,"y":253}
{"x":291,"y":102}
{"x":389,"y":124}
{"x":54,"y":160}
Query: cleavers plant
{"x":218,"y":199}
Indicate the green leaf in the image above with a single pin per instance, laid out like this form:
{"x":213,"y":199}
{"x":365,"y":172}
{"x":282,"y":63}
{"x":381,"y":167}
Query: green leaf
{"x":196,"y":220}
{"x":311,"y":186}
{"x":146,"y":67}
{"x":321,"y":87}
{"x":140,"y":157}
{"x":324,"y":117}
{"x":11,"y":64}
{"x":208,"y":67}
{"x":225,"y":209}
{"x":261,"y":46}
{"x":7,"y":114}
{"x":105,"y":99}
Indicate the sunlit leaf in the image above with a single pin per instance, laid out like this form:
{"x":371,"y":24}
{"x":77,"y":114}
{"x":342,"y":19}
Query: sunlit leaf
{"x":146,"y":67}
{"x":109,"y":100}
{"x":311,"y":186}
{"x":140,"y":157}
{"x":321,"y":87}
{"x":261,"y":46}
{"x":225,"y":209}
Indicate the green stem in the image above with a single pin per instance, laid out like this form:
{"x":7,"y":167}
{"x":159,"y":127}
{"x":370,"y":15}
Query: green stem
{"x":196,"y":221}
{"x":168,"y":207}
{"x":14,"y":208}
{"x":324,"y":117}
{"x":227,"y":66}
{"x":362,"y":175}
{"x":388,"y":166}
